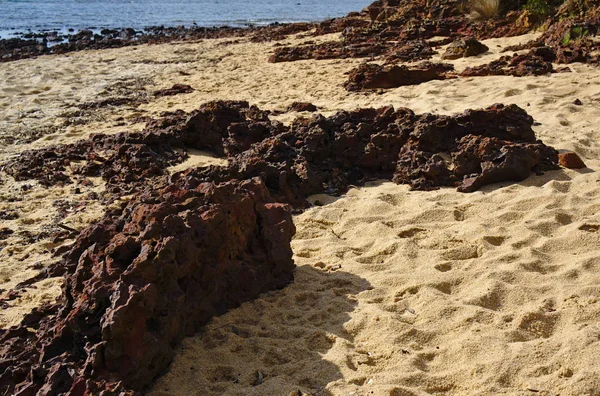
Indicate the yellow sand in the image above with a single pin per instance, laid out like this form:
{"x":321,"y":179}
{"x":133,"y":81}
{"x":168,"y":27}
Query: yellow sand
{"x":396,"y":292}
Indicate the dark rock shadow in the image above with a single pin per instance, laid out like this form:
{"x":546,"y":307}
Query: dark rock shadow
{"x":282,"y":335}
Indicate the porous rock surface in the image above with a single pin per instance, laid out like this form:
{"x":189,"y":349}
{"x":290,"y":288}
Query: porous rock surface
{"x":142,"y":279}
{"x":372,"y":76}
{"x":463,"y":48}
{"x":535,"y":63}
{"x":196,"y":243}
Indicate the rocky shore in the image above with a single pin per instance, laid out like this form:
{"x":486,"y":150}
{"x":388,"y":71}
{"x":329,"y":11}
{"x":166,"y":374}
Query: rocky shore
{"x":266,"y":210}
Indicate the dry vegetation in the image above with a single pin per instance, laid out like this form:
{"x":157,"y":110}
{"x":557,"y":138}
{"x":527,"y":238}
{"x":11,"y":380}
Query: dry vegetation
{"x":484,"y":9}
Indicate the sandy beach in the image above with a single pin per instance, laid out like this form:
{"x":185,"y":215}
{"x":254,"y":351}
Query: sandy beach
{"x":397,"y":292}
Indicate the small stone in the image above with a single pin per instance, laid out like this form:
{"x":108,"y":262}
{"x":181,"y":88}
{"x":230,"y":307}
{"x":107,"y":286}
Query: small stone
{"x":302,"y":106}
{"x":464,"y":47}
{"x":570,"y":160}
{"x":577,"y":102}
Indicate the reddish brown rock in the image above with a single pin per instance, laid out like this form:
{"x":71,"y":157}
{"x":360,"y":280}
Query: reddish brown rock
{"x":570,"y":160}
{"x":302,"y":106}
{"x":516,"y":65}
{"x":372,"y":76}
{"x":481,"y":146}
{"x":176,"y":89}
{"x":199,"y":242}
{"x":410,"y":51}
{"x":328,"y":50}
{"x":463,"y":48}
{"x":167,"y":263}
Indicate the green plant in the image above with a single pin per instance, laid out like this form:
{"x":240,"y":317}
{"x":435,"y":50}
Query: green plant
{"x":574,"y":33}
{"x":538,"y":8}
{"x":485,"y":9}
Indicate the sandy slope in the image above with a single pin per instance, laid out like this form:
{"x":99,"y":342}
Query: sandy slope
{"x":396,"y":292}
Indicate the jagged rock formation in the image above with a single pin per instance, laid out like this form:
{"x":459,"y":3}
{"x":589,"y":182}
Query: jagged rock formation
{"x":318,"y":154}
{"x":535,"y":63}
{"x":196,"y":243}
{"x":463,"y":48}
{"x":142,"y":279}
{"x":372,"y":76}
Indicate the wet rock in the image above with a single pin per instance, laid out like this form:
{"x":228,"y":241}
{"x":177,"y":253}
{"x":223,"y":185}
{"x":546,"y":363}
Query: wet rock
{"x":371,"y":76}
{"x":571,"y":160}
{"x":172,"y":259}
{"x":16,"y":48}
{"x":464,"y":47}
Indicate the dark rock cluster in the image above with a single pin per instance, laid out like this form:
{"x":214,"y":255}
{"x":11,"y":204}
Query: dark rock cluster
{"x":328,"y":50}
{"x":463,"y":48}
{"x":535,"y":63}
{"x":176,"y":89}
{"x":39,"y":44}
{"x":480,"y":146}
{"x":399,"y":30}
{"x":372,"y":76}
{"x":313,"y":155}
{"x":196,"y":243}
{"x":570,"y":33}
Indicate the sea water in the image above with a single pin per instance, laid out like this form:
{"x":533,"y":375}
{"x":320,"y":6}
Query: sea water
{"x":19,"y":16}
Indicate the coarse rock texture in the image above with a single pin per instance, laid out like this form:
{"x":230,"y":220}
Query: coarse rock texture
{"x":302,"y":106}
{"x":320,"y":154}
{"x":328,"y":50}
{"x":570,"y":160}
{"x":396,"y":291}
{"x":571,"y":33}
{"x":486,"y":146}
{"x":463,"y":48}
{"x":30,"y":46}
{"x":372,"y":76}
{"x":145,"y":277}
{"x":398,"y":29}
{"x":534,"y":63}
{"x":176,"y":89}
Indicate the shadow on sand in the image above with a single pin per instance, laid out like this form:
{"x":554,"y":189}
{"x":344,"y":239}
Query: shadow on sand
{"x":270,"y":346}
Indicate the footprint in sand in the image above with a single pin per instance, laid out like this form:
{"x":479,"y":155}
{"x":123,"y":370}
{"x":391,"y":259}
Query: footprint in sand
{"x":535,"y":325}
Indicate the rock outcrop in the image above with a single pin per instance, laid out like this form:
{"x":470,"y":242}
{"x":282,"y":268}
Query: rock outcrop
{"x":143,"y":278}
{"x":463,"y":48}
{"x":372,"y":76}
{"x":193,"y":244}
{"x":535,"y":63}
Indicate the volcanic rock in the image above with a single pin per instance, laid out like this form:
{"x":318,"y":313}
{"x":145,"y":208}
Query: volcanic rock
{"x":528,"y":64}
{"x":570,"y":160}
{"x":176,"y":89}
{"x":302,"y":106}
{"x":464,"y":47}
{"x":328,"y":50}
{"x":371,"y":76}
{"x":141,"y":280}
{"x":478,"y":151}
